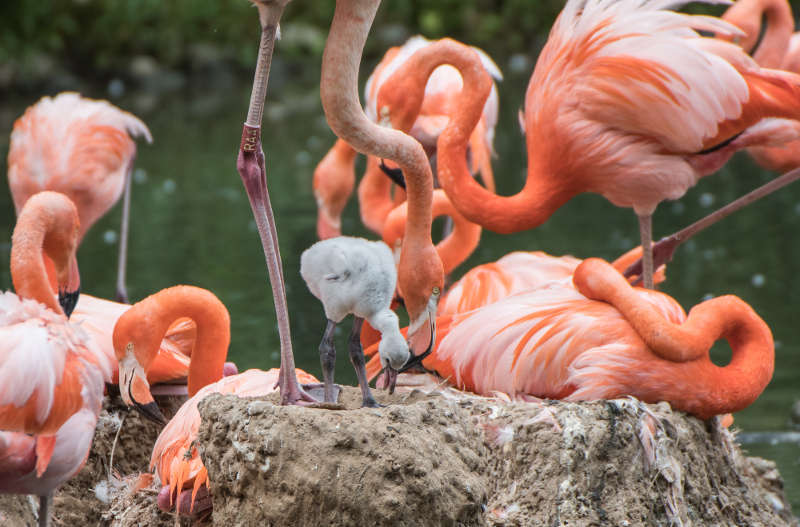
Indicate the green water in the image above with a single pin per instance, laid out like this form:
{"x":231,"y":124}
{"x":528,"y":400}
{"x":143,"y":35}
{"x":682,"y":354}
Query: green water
{"x":191,"y":224}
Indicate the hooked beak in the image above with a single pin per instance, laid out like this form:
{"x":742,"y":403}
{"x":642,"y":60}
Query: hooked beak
{"x":135,"y":391}
{"x":68,"y":293}
{"x":421,"y":341}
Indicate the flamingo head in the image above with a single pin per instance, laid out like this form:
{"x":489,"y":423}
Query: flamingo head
{"x":135,"y":350}
{"x":746,"y":17}
{"x":420,"y":279}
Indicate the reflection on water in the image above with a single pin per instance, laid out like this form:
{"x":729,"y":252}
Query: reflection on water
{"x":192,"y":224}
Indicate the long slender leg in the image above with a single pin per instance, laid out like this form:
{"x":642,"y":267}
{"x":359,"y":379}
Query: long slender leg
{"x":357,"y":358}
{"x":251,"y":168}
{"x":327,"y":356}
{"x":122,"y":290}
{"x":44,"y":512}
{"x":646,"y":233}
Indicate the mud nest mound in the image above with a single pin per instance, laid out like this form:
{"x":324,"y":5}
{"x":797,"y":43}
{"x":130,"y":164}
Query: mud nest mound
{"x":86,"y":498}
{"x":452,"y":459}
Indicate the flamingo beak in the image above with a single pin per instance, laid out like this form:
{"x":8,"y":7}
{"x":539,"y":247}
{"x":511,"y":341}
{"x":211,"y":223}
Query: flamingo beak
{"x":422,"y":334}
{"x":135,"y":390}
{"x":68,"y":294}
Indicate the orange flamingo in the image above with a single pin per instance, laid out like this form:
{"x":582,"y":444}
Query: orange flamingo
{"x":139,"y":331}
{"x":603,"y":339}
{"x":334,"y":176}
{"x":82,"y":148}
{"x":51,"y":373}
{"x":183,"y":476}
{"x":251,"y":166}
{"x":779,"y":49}
{"x":637,"y":117}
{"x":420,"y":273}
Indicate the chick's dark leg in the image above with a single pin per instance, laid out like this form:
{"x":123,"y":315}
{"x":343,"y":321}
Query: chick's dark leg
{"x":357,"y":358}
{"x":327,"y":356}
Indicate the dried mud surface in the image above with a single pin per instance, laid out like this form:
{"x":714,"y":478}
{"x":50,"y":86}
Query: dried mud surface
{"x":444,"y":458}
{"x":455,"y":459}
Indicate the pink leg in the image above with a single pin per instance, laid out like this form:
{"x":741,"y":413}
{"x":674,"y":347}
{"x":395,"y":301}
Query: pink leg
{"x":251,"y":168}
{"x":665,"y":248}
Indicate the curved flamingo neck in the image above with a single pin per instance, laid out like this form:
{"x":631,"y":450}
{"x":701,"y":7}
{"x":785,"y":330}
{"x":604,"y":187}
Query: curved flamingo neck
{"x":455,"y":248}
{"x":541,"y":196}
{"x":339,"y":92}
{"x":375,"y":196}
{"x":747,"y":15}
{"x":720,"y":389}
{"x":146,"y":323}
{"x":47,"y":225}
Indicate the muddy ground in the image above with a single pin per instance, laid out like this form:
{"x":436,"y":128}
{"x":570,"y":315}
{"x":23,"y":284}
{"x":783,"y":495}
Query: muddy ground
{"x":433,"y":459}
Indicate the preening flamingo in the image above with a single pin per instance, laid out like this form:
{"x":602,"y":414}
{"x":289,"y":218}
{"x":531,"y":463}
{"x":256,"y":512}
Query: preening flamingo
{"x":603,"y":339}
{"x":354,"y":275}
{"x":251,"y":166}
{"x":637,"y":116}
{"x":51,"y":373}
{"x":139,"y":331}
{"x":420,"y":274}
{"x":334,"y":176}
{"x":82,"y":148}
{"x":779,"y":49}
{"x":183,"y":476}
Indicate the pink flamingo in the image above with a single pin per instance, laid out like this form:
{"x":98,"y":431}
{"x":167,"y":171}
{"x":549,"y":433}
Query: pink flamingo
{"x":82,"y":148}
{"x":603,"y":339}
{"x":636,"y":116}
{"x":251,"y":166}
{"x":334,"y":176}
{"x":420,"y":273}
{"x":51,"y":373}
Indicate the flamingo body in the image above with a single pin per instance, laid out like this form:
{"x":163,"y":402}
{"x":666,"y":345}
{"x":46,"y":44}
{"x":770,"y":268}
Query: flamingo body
{"x":73,"y":145}
{"x":555,"y":342}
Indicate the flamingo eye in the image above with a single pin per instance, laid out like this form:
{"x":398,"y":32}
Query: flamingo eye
{"x":436,"y":290}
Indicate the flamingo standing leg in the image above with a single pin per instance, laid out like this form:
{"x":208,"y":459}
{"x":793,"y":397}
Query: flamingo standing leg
{"x":122,"y":290}
{"x":646,"y":234}
{"x":251,"y":168}
{"x":327,"y":357}
{"x":359,"y":363}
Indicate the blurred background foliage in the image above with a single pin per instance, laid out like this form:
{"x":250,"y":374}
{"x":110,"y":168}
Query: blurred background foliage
{"x":104,"y":39}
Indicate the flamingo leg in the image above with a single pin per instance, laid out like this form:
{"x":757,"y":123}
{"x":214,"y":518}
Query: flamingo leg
{"x":44,"y":512}
{"x":357,"y":358}
{"x":122,"y":290}
{"x":646,"y":233}
{"x":327,"y":357}
{"x":665,"y":248}
{"x":251,"y":167}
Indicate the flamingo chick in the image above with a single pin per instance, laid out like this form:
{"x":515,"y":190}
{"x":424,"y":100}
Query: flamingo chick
{"x":358,"y":276}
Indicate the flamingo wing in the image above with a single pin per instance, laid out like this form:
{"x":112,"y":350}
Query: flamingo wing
{"x":49,"y":368}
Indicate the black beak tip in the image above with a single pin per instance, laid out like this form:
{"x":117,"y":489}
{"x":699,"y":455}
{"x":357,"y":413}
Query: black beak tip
{"x":152,"y":412}
{"x":68,"y":300}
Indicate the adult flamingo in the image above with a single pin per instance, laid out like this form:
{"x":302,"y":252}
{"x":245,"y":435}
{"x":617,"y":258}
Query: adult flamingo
{"x":82,"y":148}
{"x":779,"y":49}
{"x":251,"y":166}
{"x":420,"y":273}
{"x":51,"y":374}
{"x":635,"y":116}
{"x":334,"y":176}
{"x":183,"y":476}
{"x":603,"y":339}
{"x":139,"y":331}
